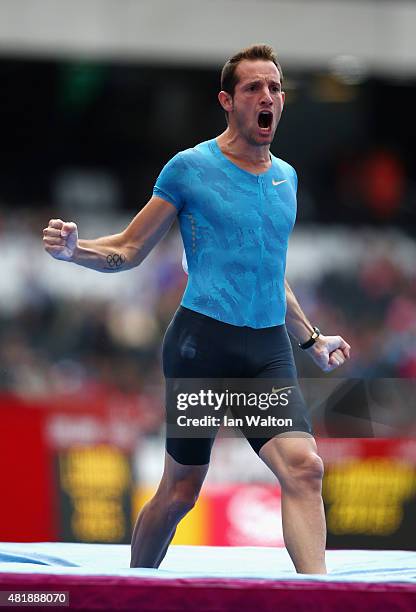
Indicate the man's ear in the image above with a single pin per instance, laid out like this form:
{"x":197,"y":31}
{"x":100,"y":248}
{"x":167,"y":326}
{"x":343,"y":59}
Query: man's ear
{"x":283,"y":98}
{"x":226,"y":101}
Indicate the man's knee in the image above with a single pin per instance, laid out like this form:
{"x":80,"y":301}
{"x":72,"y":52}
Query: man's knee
{"x":179,"y":488}
{"x":181,"y":499}
{"x":304,"y":471}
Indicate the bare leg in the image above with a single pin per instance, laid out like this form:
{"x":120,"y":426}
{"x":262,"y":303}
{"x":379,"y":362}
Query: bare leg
{"x":294,"y":460}
{"x":156,"y":524}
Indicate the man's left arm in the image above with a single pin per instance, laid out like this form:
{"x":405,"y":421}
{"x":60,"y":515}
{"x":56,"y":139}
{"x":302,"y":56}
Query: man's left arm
{"x":328,"y":352}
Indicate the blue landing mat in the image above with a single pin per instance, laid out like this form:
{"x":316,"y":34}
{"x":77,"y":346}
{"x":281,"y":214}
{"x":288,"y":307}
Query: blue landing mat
{"x":204,"y":562}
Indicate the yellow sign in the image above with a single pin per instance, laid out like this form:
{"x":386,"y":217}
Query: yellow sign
{"x":367,"y":496}
{"x":97,"y":480}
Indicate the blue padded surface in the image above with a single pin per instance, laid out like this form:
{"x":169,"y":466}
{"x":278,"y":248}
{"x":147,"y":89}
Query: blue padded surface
{"x":205,"y":562}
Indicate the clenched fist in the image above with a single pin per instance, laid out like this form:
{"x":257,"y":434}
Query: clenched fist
{"x":329,"y":352}
{"x":60,"y":239}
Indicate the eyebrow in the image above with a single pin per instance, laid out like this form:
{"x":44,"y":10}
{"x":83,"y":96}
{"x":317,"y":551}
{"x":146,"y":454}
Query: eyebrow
{"x":257,"y":81}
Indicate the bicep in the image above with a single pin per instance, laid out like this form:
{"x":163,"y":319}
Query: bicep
{"x":150,"y":225}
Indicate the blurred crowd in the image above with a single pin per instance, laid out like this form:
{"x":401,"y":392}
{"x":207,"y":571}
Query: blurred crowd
{"x":92,"y":141}
{"x":67,"y":330}
{"x":373,"y":306}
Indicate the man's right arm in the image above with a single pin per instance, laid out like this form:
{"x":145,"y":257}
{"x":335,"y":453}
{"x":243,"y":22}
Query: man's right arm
{"x":113,"y":253}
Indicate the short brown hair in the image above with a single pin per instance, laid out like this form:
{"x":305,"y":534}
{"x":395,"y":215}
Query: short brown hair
{"x":255,"y":52}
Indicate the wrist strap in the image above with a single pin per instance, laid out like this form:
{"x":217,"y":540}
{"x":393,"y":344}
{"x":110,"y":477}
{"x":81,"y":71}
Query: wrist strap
{"x":315,"y":335}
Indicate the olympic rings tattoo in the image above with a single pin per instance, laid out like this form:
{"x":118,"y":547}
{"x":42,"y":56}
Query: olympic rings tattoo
{"x":115,"y":260}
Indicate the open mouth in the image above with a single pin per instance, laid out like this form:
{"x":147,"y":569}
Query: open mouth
{"x":265,"y":119}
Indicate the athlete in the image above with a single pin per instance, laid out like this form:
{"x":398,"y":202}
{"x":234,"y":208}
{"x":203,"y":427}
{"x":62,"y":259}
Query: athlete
{"x":236,"y":206}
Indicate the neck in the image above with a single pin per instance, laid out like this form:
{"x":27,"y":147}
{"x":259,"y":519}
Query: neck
{"x":233,"y":145}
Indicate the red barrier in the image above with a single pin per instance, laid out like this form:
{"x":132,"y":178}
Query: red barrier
{"x":70,"y":438}
{"x":26,"y":478}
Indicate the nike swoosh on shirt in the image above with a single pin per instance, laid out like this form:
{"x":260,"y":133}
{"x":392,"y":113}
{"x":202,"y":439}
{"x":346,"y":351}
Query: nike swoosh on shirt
{"x":275,"y":183}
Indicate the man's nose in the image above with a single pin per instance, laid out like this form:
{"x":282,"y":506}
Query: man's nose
{"x":266,"y":98}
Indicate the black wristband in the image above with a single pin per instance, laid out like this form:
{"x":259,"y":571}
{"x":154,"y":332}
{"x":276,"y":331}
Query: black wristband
{"x":312,"y":339}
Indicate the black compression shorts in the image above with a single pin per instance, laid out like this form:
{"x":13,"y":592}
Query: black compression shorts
{"x":199,"y":347}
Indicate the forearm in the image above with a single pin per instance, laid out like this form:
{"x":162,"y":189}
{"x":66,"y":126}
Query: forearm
{"x":297,"y":322}
{"x":328,"y":352}
{"x":106,"y":254}
{"x":113,"y":253}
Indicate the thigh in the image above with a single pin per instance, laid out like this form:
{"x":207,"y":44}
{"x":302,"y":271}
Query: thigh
{"x":272,"y":354}
{"x":192,"y":361}
{"x":274,"y":374}
{"x":188,"y":441}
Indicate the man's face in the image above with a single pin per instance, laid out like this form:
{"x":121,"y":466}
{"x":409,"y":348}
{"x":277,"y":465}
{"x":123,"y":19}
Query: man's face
{"x":257,"y":104}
